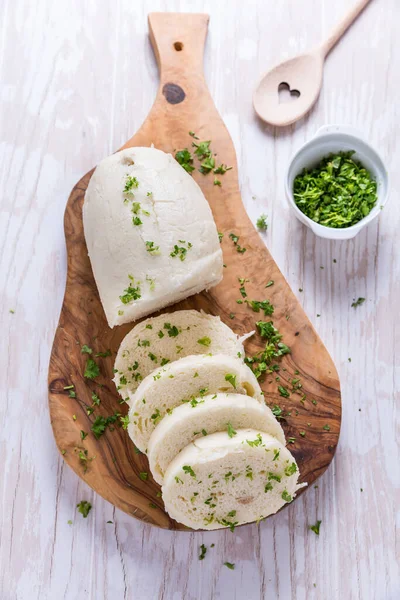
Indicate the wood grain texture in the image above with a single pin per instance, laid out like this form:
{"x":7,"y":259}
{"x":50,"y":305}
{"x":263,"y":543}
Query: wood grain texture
{"x":111,"y":465}
{"x":73,"y":90}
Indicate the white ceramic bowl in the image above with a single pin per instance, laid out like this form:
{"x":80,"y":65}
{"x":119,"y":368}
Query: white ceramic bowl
{"x":336,"y":138}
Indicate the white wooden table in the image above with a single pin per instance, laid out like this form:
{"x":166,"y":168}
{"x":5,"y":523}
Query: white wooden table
{"x":77,"y":79}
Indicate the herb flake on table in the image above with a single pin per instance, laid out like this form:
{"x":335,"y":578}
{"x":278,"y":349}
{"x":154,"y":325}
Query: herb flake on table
{"x":229,"y":565}
{"x":315,"y":528}
{"x":84,"y":507}
{"x":261,"y":223}
{"x":203,"y":551}
{"x":338,"y":192}
{"x":357,"y":302}
{"x":86,"y":350}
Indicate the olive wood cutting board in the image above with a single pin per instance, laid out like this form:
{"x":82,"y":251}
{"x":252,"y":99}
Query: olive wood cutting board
{"x":312,"y":415}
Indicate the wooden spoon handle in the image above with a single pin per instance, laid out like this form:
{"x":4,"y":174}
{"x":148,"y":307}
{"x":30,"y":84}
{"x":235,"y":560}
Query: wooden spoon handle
{"x":178,"y":41}
{"x":339,"y":30}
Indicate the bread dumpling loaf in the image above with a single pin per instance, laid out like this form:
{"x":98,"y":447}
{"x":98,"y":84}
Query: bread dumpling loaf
{"x":221,"y":481}
{"x":204,"y":416}
{"x":150,"y":234}
{"x":160,"y":340}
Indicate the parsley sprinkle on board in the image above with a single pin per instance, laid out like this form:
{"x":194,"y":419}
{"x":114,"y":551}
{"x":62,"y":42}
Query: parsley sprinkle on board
{"x":203,"y":551}
{"x":229,"y":565}
{"x":92,"y":369}
{"x":185,"y":159}
{"x":337,"y":193}
{"x":86,"y":350}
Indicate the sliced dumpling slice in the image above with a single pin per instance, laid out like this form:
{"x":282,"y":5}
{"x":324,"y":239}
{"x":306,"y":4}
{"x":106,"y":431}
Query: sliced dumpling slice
{"x":219,"y":412}
{"x":221,"y":481}
{"x":186,"y":380}
{"x":150,"y":234}
{"x":159,"y":340}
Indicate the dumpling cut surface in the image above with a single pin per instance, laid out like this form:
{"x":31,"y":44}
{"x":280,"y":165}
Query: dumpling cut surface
{"x":159,"y":340}
{"x":186,"y":380}
{"x":221,"y":481}
{"x":204,"y":416}
{"x":150,"y":234}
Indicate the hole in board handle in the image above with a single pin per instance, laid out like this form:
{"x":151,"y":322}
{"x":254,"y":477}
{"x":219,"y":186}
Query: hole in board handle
{"x":178,"y":46}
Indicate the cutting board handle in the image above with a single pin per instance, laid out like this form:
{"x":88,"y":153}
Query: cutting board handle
{"x":178,"y":41}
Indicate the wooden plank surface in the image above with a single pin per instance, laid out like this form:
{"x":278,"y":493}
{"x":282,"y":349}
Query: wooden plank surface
{"x":76,"y":80}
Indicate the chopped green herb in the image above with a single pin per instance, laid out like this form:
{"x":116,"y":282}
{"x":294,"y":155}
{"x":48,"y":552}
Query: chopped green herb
{"x":231,"y":431}
{"x":189,"y":471}
{"x":262,"y":224}
{"x":277,"y":411}
{"x":286,"y":496}
{"x":152,"y":249}
{"x":83,"y":435}
{"x":173,"y":331}
{"x":338,"y":192}
{"x":100,"y":424}
{"x":193,"y":135}
{"x":86,"y":350}
{"x":283,"y":391}
{"x":256,"y":442}
{"x":264,"y":305}
{"x":181,"y":251}
{"x":131,"y":293}
{"x":130,"y":184}
{"x":203,"y":551}
{"x":229,"y":565}
{"x":137,"y":221}
{"x":12,"y":311}
{"x":217,"y":182}
{"x":315,"y":528}
{"x":291,"y":469}
{"x":270,"y":282}
{"x":358,"y":302}
{"x":103,"y":354}
{"x":231,"y":378}
{"x":204,"y":341}
{"x":144,"y":476}
{"x":92,"y":369}
{"x":222,"y":169}
{"x":220,"y":236}
{"x":84,"y":507}
{"x":185,"y":159}
{"x":124,"y":421}
{"x":326,"y":427}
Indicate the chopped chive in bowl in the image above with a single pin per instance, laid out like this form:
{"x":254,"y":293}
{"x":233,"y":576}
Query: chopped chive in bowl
{"x":338,"y":192}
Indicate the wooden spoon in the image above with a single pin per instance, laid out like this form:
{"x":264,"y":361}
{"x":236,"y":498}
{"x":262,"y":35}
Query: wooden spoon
{"x":301,"y":76}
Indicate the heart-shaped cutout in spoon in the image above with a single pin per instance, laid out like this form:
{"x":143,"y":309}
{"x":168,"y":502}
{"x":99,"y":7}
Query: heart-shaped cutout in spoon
{"x":303,"y":73}
{"x":285,"y":94}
